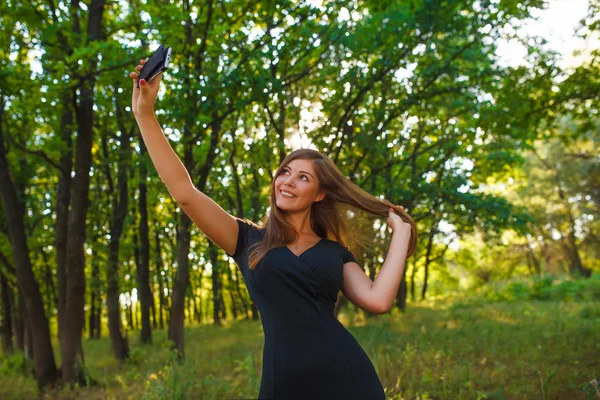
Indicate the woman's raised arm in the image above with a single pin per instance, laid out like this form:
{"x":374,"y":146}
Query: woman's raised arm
{"x":218,"y":225}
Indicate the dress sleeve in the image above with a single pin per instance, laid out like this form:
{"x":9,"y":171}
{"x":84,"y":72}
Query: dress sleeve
{"x":348,"y":256}
{"x":246,"y":235}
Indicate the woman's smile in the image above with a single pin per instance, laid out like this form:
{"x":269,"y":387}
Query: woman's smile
{"x":287,"y":194}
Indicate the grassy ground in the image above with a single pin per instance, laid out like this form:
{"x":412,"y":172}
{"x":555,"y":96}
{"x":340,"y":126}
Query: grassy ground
{"x":524,"y":349}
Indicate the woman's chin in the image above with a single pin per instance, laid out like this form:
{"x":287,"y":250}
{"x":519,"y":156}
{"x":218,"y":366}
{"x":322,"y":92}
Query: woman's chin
{"x":284,"y":207}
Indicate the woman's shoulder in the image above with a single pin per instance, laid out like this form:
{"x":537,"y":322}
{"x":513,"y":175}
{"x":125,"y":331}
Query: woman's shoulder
{"x":250,"y":227}
{"x":334,"y":244}
{"x":248,"y":222}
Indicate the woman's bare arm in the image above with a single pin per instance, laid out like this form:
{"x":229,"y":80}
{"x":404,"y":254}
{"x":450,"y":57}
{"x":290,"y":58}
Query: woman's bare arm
{"x":378,"y":297}
{"x":218,"y":225}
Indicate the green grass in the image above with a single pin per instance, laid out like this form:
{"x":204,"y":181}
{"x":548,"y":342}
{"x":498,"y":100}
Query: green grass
{"x":445,"y":349}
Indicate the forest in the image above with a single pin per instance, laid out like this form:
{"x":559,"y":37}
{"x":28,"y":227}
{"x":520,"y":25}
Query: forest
{"x":108,"y":290}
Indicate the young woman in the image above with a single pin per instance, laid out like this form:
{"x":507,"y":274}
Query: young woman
{"x":296,"y":263}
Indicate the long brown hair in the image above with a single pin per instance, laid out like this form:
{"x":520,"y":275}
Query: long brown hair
{"x":336,"y":217}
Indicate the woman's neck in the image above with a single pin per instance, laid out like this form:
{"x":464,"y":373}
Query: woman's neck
{"x":301,"y":222}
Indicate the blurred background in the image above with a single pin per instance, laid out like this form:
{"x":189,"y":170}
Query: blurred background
{"x":479,"y":117}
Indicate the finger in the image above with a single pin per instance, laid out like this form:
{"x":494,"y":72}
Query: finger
{"x":139,"y":67}
{"x":155,"y":83}
{"x":143,"y":61}
{"x":134,"y":78}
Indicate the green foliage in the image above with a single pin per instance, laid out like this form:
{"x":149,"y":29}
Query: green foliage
{"x":14,"y":364}
{"x":544,"y":288}
{"x":16,"y":374}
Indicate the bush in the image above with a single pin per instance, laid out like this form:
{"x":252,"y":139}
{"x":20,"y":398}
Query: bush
{"x":590,"y":312}
{"x":541,"y":289}
{"x":14,"y":364}
{"x":544,"y":288}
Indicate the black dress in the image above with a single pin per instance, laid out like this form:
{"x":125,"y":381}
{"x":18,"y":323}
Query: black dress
{"x":308,"y":354}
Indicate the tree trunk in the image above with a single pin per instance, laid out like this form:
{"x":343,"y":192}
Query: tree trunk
{"x":193,"y":308}
{"x":158,"y":268}
{"x":577,"y":266}
{"x":216,"y":283}
{"x":401,"y":295}
{"x":129,"y":312}
{"x":7,"y":315}
{"x":63,"y":199}
{"x":234,"y":307}
{"x":143,"y":270}
{"x":95,"y":301}
{"x":92,"y":316}
{"x":29,"y":349}
{"x":427,"y":260}
{"x":19,"y":324}
{"x":413,"y":274}
{"x":14,"y":213}
{"x":71,"y":345}
{"x":200,"y":310}
{"x":50,"y":292}
{"x":119,"y":343}
{"x":153,"y":309}
{"x":238,"y":289}
{"x":176,"y":332}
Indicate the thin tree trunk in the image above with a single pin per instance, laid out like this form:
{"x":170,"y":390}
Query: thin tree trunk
{"x":239,"y":292}
{"x":176,"y":332}
{"x":29,"y":349}
{"x":234,"y":308}
{"x":159,"y":278}
{"x":19,"y":324}
{"x":413,"y":273}
{"x":94,"y":295}
{"x":129,"y":313}
{"x":193,"y":310}
{"x":153,"y":309}
{"x":52,"y":300}
{"x":92,"y":316}
{"x":427,"y":260}
{"x":143,"y":272}
{"x":216,"y":283}
{"x":99,"y":320}
{"x":401,"y":296}
{"x":120,"y":205}
{"x":63,"y":199}
{"x":7,"y":315}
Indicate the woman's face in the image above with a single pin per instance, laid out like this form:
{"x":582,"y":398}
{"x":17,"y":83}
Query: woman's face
{"x":299,"y":179}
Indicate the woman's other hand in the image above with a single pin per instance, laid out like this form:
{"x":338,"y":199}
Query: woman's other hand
{"x":394,"y":220}
{"x":142,"y":98}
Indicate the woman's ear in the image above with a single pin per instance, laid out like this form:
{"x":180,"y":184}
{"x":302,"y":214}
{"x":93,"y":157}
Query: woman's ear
{"x":321,"y":196}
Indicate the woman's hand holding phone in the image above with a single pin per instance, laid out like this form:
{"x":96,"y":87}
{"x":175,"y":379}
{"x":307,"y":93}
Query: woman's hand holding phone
{"x":143,"y":98}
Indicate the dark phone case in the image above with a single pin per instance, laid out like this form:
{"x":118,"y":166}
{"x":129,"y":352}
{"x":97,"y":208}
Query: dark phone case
{"x":153,"y":65}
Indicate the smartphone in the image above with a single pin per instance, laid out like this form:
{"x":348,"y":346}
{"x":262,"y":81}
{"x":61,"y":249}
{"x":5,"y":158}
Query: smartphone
{"x":157,"y":63}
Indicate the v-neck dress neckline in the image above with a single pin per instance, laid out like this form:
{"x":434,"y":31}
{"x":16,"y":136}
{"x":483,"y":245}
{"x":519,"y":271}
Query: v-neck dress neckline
{"x":304,"y":252}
